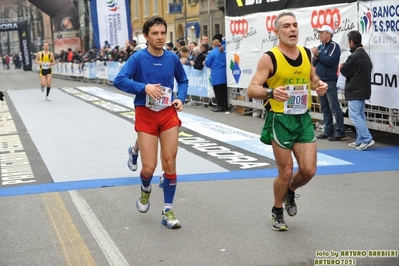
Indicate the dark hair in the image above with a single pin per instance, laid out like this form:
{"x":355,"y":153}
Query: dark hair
{"x":195,"y":44}
{"x":181,"y":42}
{"x":205,"y":45}
{"x":355,"y":37}
{"x":155,"y":20}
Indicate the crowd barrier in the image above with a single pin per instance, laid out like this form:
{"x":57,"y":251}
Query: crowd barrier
{"x":200,"y":92}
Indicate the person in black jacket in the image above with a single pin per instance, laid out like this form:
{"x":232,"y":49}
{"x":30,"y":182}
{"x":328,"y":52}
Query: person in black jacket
{"x":357,"y":71}
{"x":201,"y":53}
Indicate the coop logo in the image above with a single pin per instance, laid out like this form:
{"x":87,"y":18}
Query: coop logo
{"x":270,"y":23}
{"x":366,"y":22}
{"x":112,"y":5}
{"x":330,"y":17}
{"x":241,"y":3}
{"x":239,"y":27}
{"x":235,"y":68}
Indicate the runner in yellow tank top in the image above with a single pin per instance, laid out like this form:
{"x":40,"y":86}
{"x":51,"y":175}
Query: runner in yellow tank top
{"x":45,"y":59}
{"x":288,"y":126}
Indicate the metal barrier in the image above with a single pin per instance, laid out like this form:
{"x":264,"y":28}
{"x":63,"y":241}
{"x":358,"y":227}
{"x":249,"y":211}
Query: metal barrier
{"x":378,"y":117}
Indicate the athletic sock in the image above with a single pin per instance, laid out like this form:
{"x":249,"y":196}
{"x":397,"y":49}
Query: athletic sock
{"x":145,"y":182}
{"x":48,"y":91}
{"x":169,"y":188}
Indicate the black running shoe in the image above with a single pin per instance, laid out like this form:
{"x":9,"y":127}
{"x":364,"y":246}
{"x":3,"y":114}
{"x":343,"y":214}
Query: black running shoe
{"x":277,"y":219}
{"x":289,"y":203}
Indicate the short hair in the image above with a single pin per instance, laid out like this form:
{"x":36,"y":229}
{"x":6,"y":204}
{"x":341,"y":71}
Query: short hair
{"x":184,"y":49}
{"x":155,"y":20}
{"x":355,"y":37}
{"x":196,"y":50}
{"x":181,"y":42}
{"x":283,"y":14}
{"x":205,"y":45}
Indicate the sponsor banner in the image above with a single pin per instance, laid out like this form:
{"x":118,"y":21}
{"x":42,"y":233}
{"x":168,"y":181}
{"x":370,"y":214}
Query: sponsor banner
{"x":248,"y":37}
{"x":111,"y":22}
{"x":385,"y":79}
{"x":101,"y":70}
{"x":244,"y":7}
{"x":198,"y":81}
{"x":24,"y":40}
{"x":379,"y":26}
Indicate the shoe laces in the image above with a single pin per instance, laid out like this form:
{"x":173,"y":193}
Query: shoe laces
{"x":292,"y":197}
{"x":279,"y":216}
{"x":145,"y":197}
{"x":170,"y":215}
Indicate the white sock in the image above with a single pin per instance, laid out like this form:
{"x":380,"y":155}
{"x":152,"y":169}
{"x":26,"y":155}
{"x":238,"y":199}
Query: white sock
{"x":167,"y":206}
{"x":147,"y":189}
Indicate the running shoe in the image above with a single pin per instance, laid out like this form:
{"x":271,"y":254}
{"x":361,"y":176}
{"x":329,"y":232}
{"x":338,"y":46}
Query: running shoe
{"x":143,"y":203}
{"x":277,"y":219}
{"x":161,"y":179}
{"x":324,"y":136}
{"x":132,"y":161}
{"x":42,"y":88}
{"x":289,"y":204}
{"x":169,"y":219}
{"x":364,"y":146}
{"x":337,"y":138}
{"x":353,"y":144}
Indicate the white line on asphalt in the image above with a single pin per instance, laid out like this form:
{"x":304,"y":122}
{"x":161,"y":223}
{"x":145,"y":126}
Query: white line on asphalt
{"x":108,"y":246}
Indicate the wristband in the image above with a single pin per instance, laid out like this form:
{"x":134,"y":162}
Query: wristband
{"x":269,"y":93}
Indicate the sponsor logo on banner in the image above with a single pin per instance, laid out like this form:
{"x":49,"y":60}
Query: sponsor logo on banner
{"x":270,"y":36}
{"x":112,"y":6}
{"x":8,"y":26}
{"x":385,"y":24}
{"x":236,"y":70}
{"x":243,"y":3}
{"x":240,"y":30}
{"x":330,"y":17}
{"x":365,"y":22}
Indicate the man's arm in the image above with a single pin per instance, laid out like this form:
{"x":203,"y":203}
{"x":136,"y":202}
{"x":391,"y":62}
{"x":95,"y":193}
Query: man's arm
{"x":255,"y":87}
{"x":37,"y":59}
{"x":332,"y":56}
{"x":316,"y":84}
{"x":348,"y":68}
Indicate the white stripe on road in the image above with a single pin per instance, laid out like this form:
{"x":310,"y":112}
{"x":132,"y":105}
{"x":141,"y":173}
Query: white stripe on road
{"x":106,"y":244}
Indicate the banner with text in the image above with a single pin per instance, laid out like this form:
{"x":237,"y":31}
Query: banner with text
{"x":248,"y":37}
{"x":111,"y":22}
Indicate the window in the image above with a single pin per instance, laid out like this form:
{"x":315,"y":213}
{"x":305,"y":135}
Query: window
{"x":155,"y":4}
{"x":146,"y":9}
{"x":217,"y":28}
{"x":205,"y":30}
{"x":136,"y":9}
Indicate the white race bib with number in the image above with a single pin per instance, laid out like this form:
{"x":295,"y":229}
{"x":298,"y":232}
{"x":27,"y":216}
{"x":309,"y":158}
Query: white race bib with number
{"x":45,"y":66}
{"x":298,"y":102}
{"x":164,"y":102}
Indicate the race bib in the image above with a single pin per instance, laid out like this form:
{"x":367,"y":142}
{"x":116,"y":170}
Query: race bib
{"x":164,"y":102}
{"x":45,"y":66}
{"x":298,"y":102}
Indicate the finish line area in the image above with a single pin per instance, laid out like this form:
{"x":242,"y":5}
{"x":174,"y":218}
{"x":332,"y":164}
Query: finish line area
{"x":79,"y":140}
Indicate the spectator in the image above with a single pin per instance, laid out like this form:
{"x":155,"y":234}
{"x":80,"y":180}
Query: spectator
{"x":191,"y":56}
{"x":216,"y":61}
{"x":169,"y":46}
{"x":183,"y":52}
{"x":326,"y":60}
{"x":201,"y":53}
{"x":357,"y":71}
{"x":69,"y":56}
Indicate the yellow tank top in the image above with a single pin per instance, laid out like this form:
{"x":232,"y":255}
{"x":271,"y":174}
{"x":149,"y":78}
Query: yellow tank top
{"x":297,"y":83}
{"x":45,"y":58}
